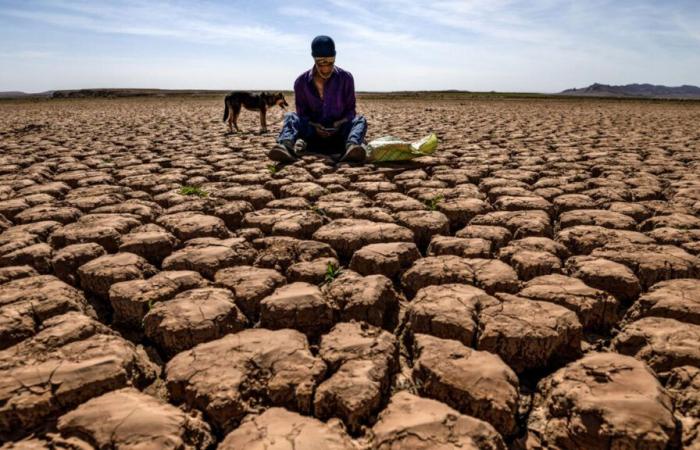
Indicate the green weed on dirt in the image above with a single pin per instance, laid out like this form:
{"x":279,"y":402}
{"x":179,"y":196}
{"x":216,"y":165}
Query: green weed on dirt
{"x":193,"y":191}
{"x":433,"y":203}
{"x":332,"y":272}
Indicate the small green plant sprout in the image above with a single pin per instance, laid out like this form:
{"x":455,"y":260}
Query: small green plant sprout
{"x":332,"y":272}
{"x":433,"y":202}
{"x":317,"y":210}
{"x":272,"y":169}
{"x":193,"y":191}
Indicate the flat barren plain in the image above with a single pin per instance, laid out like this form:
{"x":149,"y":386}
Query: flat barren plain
{"x":535,"y":283}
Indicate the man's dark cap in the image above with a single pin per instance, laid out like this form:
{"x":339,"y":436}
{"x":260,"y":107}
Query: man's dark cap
{"x":322,"y":46}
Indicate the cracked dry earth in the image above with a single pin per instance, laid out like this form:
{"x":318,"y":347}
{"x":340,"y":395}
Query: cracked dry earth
{"x":534,"y":284}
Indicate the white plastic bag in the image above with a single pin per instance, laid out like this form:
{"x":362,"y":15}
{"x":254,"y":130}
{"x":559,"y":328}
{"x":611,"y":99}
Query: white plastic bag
{"x":390,"y":148}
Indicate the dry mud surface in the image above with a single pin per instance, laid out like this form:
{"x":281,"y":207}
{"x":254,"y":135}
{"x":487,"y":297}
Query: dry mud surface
{"x":534,"y":284}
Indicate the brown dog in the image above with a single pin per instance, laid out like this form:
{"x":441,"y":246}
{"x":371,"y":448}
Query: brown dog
{"x":252,"y":102}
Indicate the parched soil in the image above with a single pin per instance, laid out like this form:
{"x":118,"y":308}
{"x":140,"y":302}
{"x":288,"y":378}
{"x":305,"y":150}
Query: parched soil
{"x":533,"y":284}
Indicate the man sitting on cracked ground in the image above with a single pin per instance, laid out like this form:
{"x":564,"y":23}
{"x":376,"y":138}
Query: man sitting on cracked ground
{"x":325,"y":120}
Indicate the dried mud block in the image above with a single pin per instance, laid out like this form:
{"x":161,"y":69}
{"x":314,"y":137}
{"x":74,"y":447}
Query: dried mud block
{"x":371,"y":299}
{"x":66,"y":261}
{"x":42,"y":230}
{"x":598,"y":217}
{"x":395,"y":202}
{"x":488,"y":274}
{"x":295,"y":223}
{"x":283,"y":429}
{"x":37,"y":256}
{"x":103,"y":229}
{"x":300,"y":306}
{"x":498,"y":236}
{"x":280,"y":252}
{"x":13,"y":240}
{"x":684,"y":386}
{"x":154,"y":246}
{"x":348,"y":235}
{"x":523,"y":203}
{"x":420,"y":423}
{"x":637,"y":211}
{"x":603,"y":401}
{"x":434,"y":270}
{"x":372,"y":188}
{"x":308,"y":190}
{"x":12,"y":273}
{"x":289,"y":203}
{"x":314,"y":272}
{"x":675,"y":220}
{"x":209,"y":255}
{"x":461,"y":210}
{"x":97,"y":275}
{"x":28,"y":301}
{"x":232,"y":213}
{"x":255,"y":195}
{"x":191,"y":318}
{"x":609,"y":276}
{"x":62,"y":214}
{"x":132,"y":299}
{"x":473,"y":382}
{"x":687,"y":239}
{"x":463,"y":247}
{"x":448,"y":311}
{"x":72,"y":359}
{"x":529,"y":334}
{"x":535,"y":244}
{"x":249,"y":285}
{"x":520,"y":223}
{"x":424,"y":225}
{"x":675,"y":299}
{"x":390,"y":259}
{"x":652,"y":263}
{"x":596,"y":310}
{"x":534,"y":256}
{"x":568,"y":202}
{"x":127,"y":418}
{"x":191,"y":225}
{"x":226,"y":377}
{"x":583,"y":239}
{"x":660,"y":342}
{"x":10,"y":208}
{"x":147,"y":211}
{"x":361,"y":359}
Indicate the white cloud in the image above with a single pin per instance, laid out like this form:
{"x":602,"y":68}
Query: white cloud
{"x":515,"y":45}
{"x":155,"y":19}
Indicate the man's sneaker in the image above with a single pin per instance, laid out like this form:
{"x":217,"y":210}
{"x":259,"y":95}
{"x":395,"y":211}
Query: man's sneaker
{"x":281,"y":153}
{"x":354,"y":153}
{"x":300,"y":147}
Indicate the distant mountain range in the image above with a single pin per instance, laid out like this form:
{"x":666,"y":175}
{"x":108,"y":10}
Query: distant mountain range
{"x":19,"y":94}
{"x":636,"y":90}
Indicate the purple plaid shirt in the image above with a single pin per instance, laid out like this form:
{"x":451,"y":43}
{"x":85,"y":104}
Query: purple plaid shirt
{"x":338,"y":97}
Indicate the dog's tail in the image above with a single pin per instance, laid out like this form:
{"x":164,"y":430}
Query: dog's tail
{"x":225,"y":108}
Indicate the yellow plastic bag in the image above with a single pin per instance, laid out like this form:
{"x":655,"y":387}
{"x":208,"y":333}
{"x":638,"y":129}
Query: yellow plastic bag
{"x":390,"y":148}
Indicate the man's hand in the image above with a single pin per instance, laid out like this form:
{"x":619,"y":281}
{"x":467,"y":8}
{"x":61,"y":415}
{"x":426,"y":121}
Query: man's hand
{"x":321,"y":131}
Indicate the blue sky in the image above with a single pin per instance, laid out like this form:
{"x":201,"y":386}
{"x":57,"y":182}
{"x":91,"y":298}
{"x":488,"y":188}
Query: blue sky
{"x":480,"y":45}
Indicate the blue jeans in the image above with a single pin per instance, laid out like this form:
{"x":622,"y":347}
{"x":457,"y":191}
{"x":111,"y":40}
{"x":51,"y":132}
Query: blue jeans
{"x":296,"y":127}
